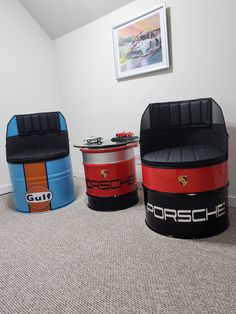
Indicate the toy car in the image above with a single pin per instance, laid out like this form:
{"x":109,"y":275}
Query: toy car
{"x":93,"y":140}
{"x":125,"y":134}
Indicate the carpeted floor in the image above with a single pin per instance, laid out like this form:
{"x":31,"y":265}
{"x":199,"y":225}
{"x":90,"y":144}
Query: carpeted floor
{"x":76,"y":260}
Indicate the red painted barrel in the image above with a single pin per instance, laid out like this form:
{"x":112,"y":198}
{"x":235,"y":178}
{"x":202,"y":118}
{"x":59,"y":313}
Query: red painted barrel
{"x":110,"y":177}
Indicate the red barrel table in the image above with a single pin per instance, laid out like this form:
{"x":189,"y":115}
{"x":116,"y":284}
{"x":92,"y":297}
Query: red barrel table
{"x":110,"y":174}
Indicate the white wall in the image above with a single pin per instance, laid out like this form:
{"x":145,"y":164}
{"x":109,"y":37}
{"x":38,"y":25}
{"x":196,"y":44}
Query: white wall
{"x":28,"y":81}
{"x":203,"y":50}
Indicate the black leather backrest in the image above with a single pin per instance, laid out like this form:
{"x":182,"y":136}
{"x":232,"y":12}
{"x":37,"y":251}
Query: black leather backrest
{"x":39,"y":123}
{"x":180,"y":123}
{"x":40,"y":138}
{"x":184,"y":114}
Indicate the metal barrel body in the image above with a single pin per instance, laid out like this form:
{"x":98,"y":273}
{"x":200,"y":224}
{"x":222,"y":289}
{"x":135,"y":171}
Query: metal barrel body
{"x":42,"y":186}
{"x":110,"y":177}
{"x":186,"y":203}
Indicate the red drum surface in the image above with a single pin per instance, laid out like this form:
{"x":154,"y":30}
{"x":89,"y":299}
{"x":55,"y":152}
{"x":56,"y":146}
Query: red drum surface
{"x":192,"y":180}
{"x":110,"y":172}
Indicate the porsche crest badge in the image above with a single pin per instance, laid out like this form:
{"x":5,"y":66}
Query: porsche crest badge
{"x":183,"y":180}
{"x":104,"y":173}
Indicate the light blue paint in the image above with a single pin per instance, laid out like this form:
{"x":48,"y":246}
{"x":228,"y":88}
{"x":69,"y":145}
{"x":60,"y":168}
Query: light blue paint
{"x":12,"y":129}
{"x":18,"y":186}
{"x":62,"y":122}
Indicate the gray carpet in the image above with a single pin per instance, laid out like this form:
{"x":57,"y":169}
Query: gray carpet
{"x":76,"y":260}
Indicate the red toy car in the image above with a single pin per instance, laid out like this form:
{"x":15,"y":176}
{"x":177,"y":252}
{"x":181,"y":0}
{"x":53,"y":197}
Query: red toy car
{"x":125,"y":134}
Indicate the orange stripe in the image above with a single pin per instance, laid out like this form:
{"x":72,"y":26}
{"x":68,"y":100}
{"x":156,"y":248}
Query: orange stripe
{"x":36,"y":177}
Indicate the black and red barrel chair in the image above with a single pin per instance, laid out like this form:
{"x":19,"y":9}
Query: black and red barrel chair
{"x":184,"y":152}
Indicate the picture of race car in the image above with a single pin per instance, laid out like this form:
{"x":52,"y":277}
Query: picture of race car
{"x":93,"y":140}
{"x":145,"y":43}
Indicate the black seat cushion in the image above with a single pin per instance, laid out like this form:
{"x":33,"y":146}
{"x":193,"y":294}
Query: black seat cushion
{"x":38,"y":154}
{"x":37,"y":147}
{"x":185,"y":156}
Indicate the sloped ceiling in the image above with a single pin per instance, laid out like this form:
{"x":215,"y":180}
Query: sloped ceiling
{"x":59,"y":17}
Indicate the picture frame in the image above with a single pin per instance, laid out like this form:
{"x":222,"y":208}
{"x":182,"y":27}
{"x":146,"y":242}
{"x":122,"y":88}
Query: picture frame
{"x":141,"y":44}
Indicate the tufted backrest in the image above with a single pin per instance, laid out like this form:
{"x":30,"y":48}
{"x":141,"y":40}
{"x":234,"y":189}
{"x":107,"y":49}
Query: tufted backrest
{"x":192,"y":113}
{"x":29,"y":124}
{"x":37,"y":136}
{"x":180,"y":123}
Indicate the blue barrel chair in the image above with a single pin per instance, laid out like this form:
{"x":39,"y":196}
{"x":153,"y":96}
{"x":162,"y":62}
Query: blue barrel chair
{"x":37,"y":149}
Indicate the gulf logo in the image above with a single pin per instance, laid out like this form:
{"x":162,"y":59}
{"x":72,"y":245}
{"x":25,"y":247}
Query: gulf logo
{"x":39,"y":198}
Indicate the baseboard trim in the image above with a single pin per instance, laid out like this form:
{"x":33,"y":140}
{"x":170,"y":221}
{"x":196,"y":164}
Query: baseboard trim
{"x":79,"y":174}
{"x":232,"y":201}
{"x":5,"y":189}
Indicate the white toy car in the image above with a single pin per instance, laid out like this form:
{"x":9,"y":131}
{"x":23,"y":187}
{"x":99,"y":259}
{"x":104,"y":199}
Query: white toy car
{"x":93,"y":140}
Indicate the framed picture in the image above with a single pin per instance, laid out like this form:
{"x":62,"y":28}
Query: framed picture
{"x":141,"y":44}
